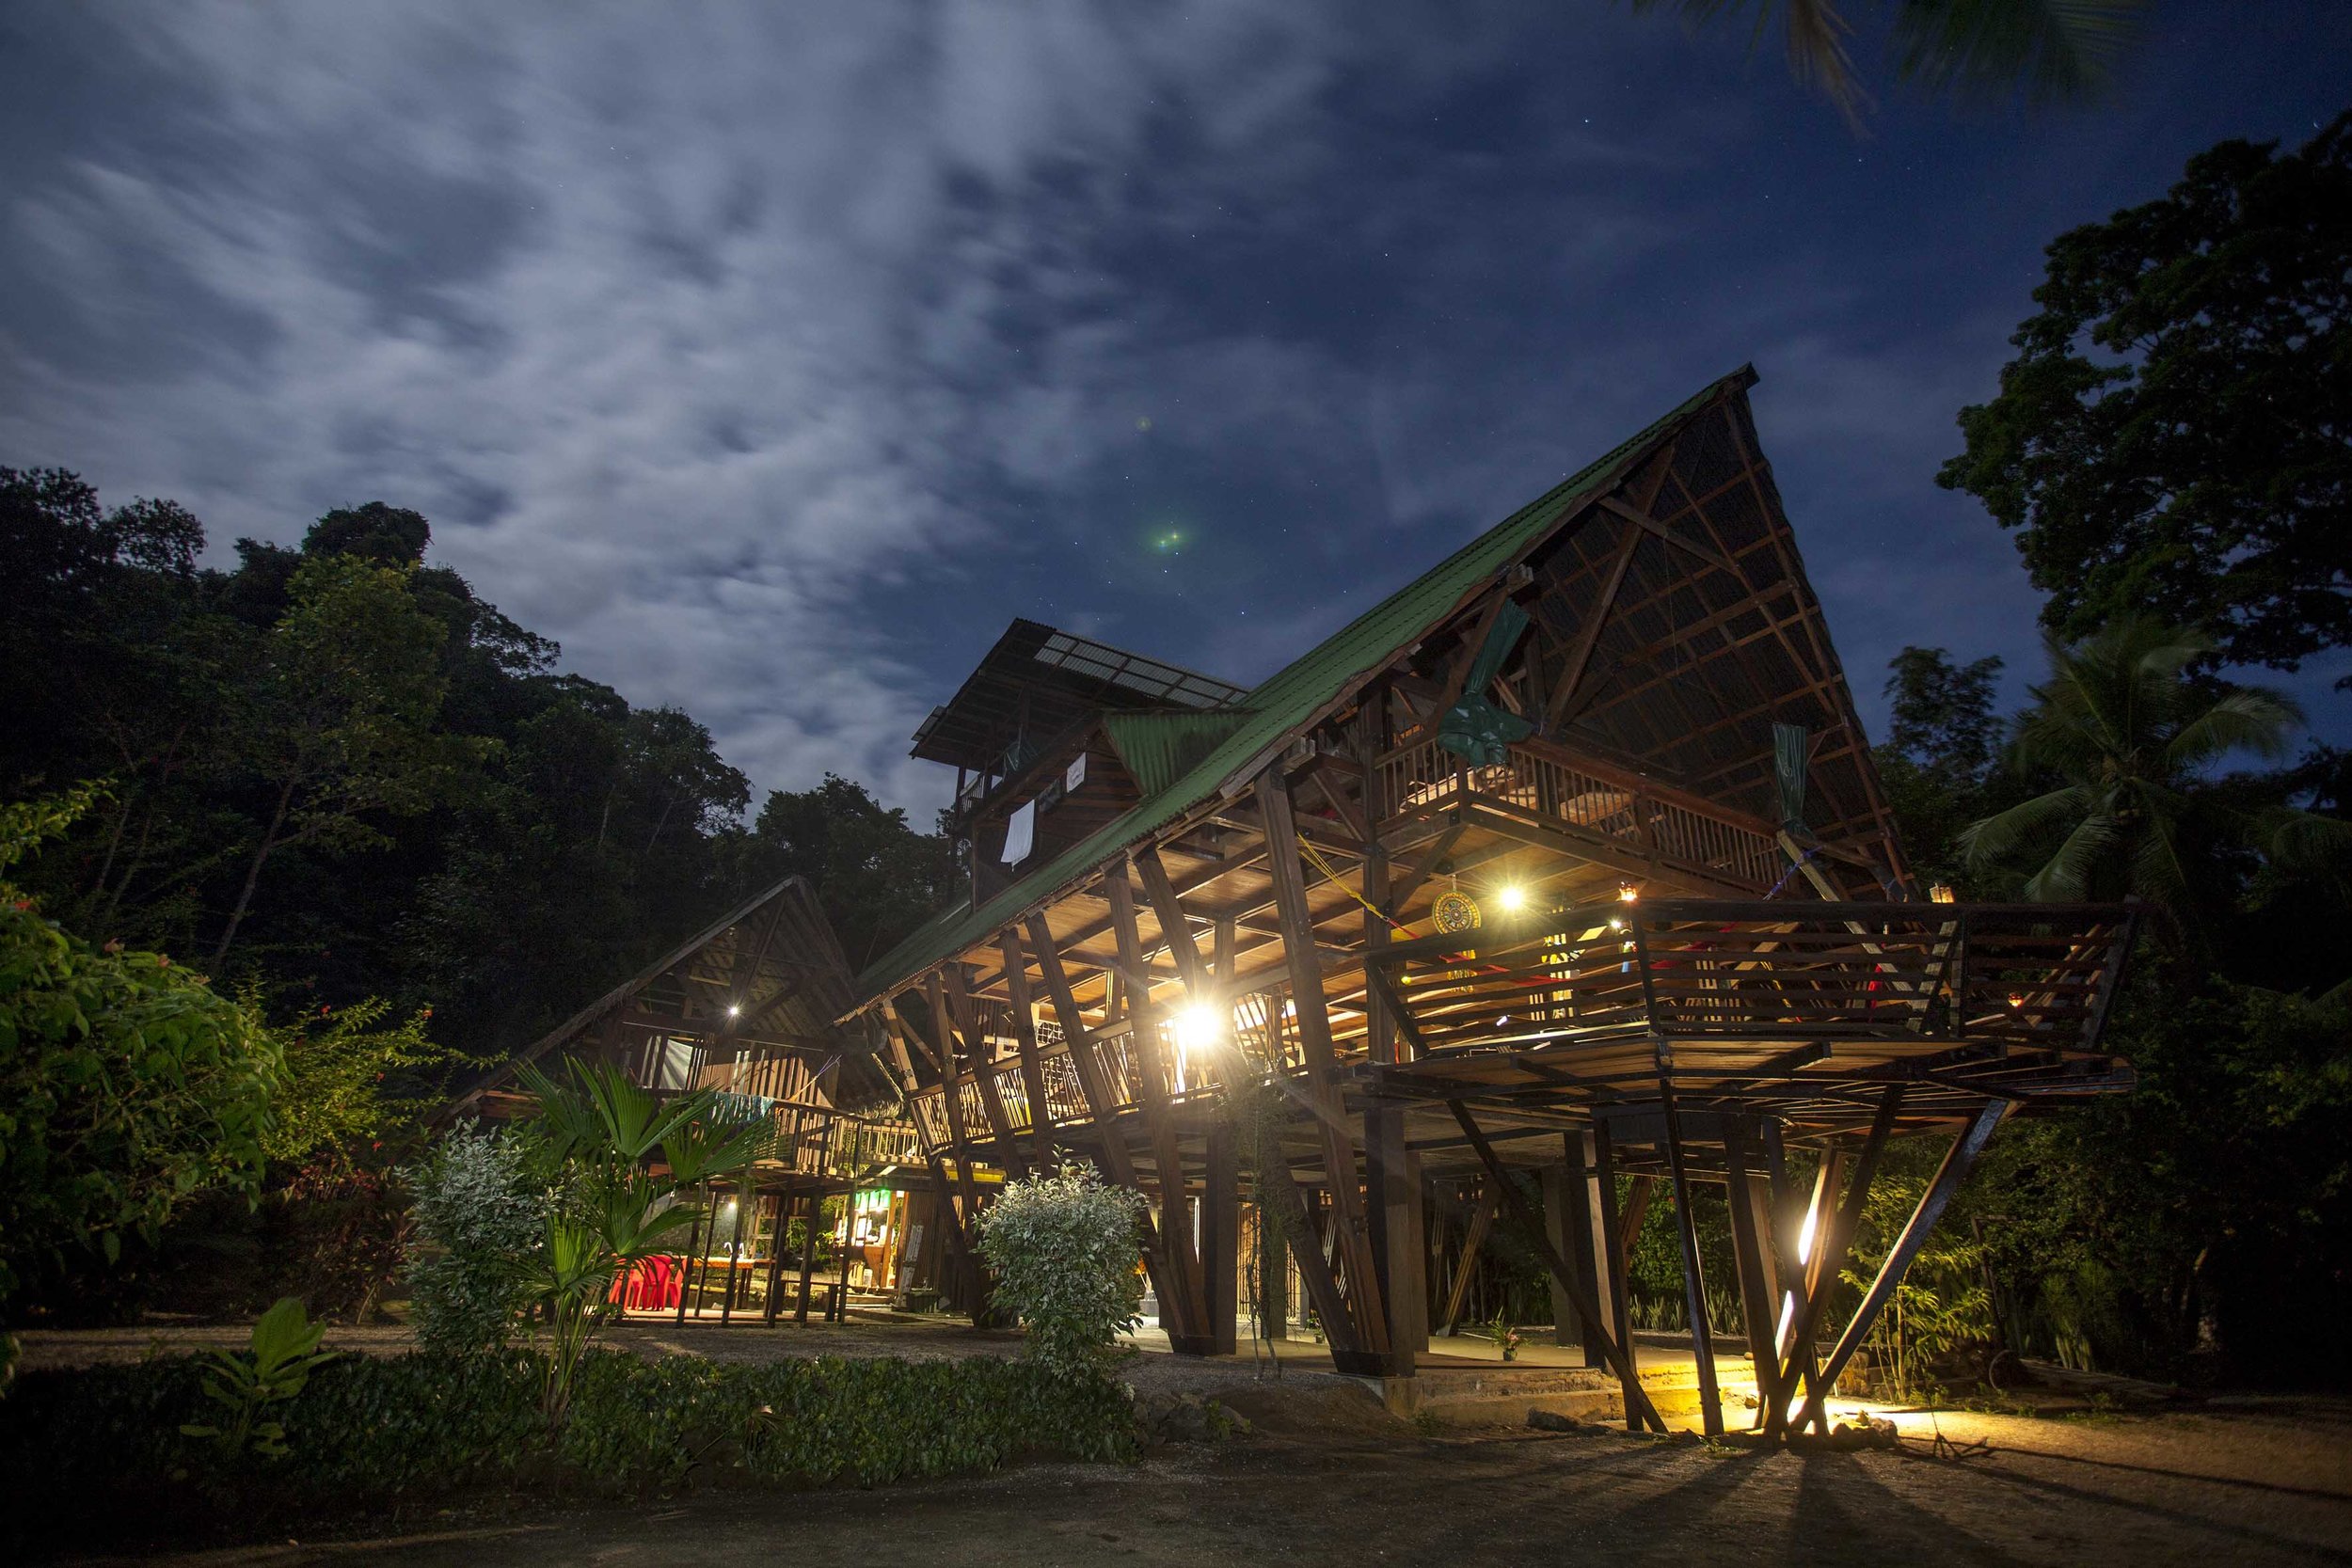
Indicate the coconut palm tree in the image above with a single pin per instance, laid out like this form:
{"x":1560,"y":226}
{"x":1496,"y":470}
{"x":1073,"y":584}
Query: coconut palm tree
{"x":2131,"y":737}
{"x":2053,"y":50}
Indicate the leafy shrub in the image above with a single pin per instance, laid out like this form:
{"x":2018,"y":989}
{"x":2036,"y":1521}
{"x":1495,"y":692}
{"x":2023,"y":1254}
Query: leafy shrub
{"x":82,"y":1451}
{"x":478,"y":1222}
{"x":1065,"y":1250}
{"x":126,"y":1085}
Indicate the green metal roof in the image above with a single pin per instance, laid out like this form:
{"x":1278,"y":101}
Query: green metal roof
{"x":1285,"y":702}
{"x":1161,"y":748}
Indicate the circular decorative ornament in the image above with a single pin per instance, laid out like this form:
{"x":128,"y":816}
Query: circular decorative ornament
{"x":1453,"y":912}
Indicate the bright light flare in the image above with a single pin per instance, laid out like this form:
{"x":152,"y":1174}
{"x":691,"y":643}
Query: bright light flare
{"x":1512,"y":898}
{"x":1199,"y":1027}
{"x":1804,"y":1236}
{"x":732,"y":1010}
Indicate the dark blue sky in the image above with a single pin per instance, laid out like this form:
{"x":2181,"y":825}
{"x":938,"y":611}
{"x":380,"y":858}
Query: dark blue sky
{"x":772,"y":357}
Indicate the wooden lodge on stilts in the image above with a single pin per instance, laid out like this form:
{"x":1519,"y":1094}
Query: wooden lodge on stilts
{"x":1566,"y":860}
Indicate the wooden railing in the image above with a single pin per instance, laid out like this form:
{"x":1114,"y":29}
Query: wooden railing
{"x":1639,"y":820}
{"x":814,"y":1141}
{"x":2004,"y":976}
{"x":1263,"y":1032}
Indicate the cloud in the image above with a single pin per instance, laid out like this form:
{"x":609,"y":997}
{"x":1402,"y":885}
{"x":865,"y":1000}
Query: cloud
{"x":772,"y":357}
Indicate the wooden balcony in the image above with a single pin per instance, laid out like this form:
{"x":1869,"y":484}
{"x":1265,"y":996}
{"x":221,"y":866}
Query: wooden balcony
{"x":1755,"y":1000}
{"x":1619,"y":818}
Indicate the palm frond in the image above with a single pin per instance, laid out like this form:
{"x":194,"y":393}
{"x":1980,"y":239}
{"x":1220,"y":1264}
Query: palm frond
{"x":2245,"y":719}
{"x":2067,"y":874}
{"x":2055,"y":50}
{"x":1996,"y":838}
{"x":2158,"y":873}
{"x":1816,"y":31}
{"x":2304,"y":843}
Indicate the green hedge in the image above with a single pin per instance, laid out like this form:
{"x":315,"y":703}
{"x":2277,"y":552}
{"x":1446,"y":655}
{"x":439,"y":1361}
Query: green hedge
{"x":80,"y":1449}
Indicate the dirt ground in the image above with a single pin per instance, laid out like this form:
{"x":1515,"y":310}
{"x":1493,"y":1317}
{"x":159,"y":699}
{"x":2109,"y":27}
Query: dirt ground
{"x":1329,"y":1476}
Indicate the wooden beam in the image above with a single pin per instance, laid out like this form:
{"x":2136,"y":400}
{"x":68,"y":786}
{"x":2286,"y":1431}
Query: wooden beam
{"x":1481,"y":1218}
{"x":1143,"y":1042}
{"x":1588,"y":636}
{"x":1314,"y":1030}
{"x":1756,"y":1314}
{"x":1174,"y":929}
{"x":1639,"y":1412}
{"x":1025,"y":1040}
{"x":1827,"y":1258}
{"x":1686,"y":1224}
{"x":1101,"y":1103}
{"x":1958,"y":1161}
{"x":1619,"y":1356}
{"x":954,"y":1010}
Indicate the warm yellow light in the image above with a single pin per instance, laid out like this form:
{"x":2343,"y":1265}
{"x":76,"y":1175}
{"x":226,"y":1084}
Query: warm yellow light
{"x":1627,"y":892}
{"x":1941,"y":893}
{"x":1513,"y":897}
{"x":1198,"y":1028}
{"x":1788,"y":1313}
{"x":1804,"y":1236}
{"x":2017,"y":999}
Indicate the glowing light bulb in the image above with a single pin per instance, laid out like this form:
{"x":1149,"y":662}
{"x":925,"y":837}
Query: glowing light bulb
{"x":732,"y":1010}
{"x":1627,"y":892}
{"x":1513,"y":897}
{"x":1198,"y":1028}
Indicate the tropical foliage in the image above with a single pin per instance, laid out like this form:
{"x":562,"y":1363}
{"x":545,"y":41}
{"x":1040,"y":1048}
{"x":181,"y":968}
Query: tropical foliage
{"x":594,"y":1149}
{"x":126,"y":1084}
{"x":2170,"y":439}
{"x":246,"y":1383}
{"x":2044,"y":50}
{"x":97,"y":1457}
{"x":477,"y":1220}
{"x":1065,"y":1249}
{"x":2130,"y":742}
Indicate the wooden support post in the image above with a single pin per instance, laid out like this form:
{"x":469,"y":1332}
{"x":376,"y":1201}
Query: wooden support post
{"x":1190,"y":1306}
{"x":774,"y":1255}
{"x":813,"y":1209}
{"x":1025,"y":1040}
{"x":1958,"y":1161}
{"x":1094,"y":1083}
{"x":1371,"y":1328}
{"x":1827,"y":1257}
{"x":1584,"y":1227}
{"x":1620,"y":1352}
{"x":1392,"y":1184}
{"x":964,"y":1019}
{"x":950,"y":1092}
{"x":1628,"y":1228}
{"x":1559,"y":1191}
{"x":1639,"y":1412}
{"x":1220,"y":1239}
{"x":1481,"y":1219}
{"x":735,"y":1255}
{"x":1686,"y":1222}
{"x":1758,"y":1306}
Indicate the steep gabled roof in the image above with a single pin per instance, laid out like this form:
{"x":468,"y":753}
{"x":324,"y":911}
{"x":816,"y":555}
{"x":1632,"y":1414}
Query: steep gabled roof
{"x":794,"y":978}
{"x":1293,"y":698}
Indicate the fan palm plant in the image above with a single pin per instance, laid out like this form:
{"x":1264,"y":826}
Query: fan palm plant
{"x":2130,"y":738}
{"x":597,"y":1136}
{"x":2053,"y":50}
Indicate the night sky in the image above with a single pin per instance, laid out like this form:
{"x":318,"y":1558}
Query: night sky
{"x":772,"y":357}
